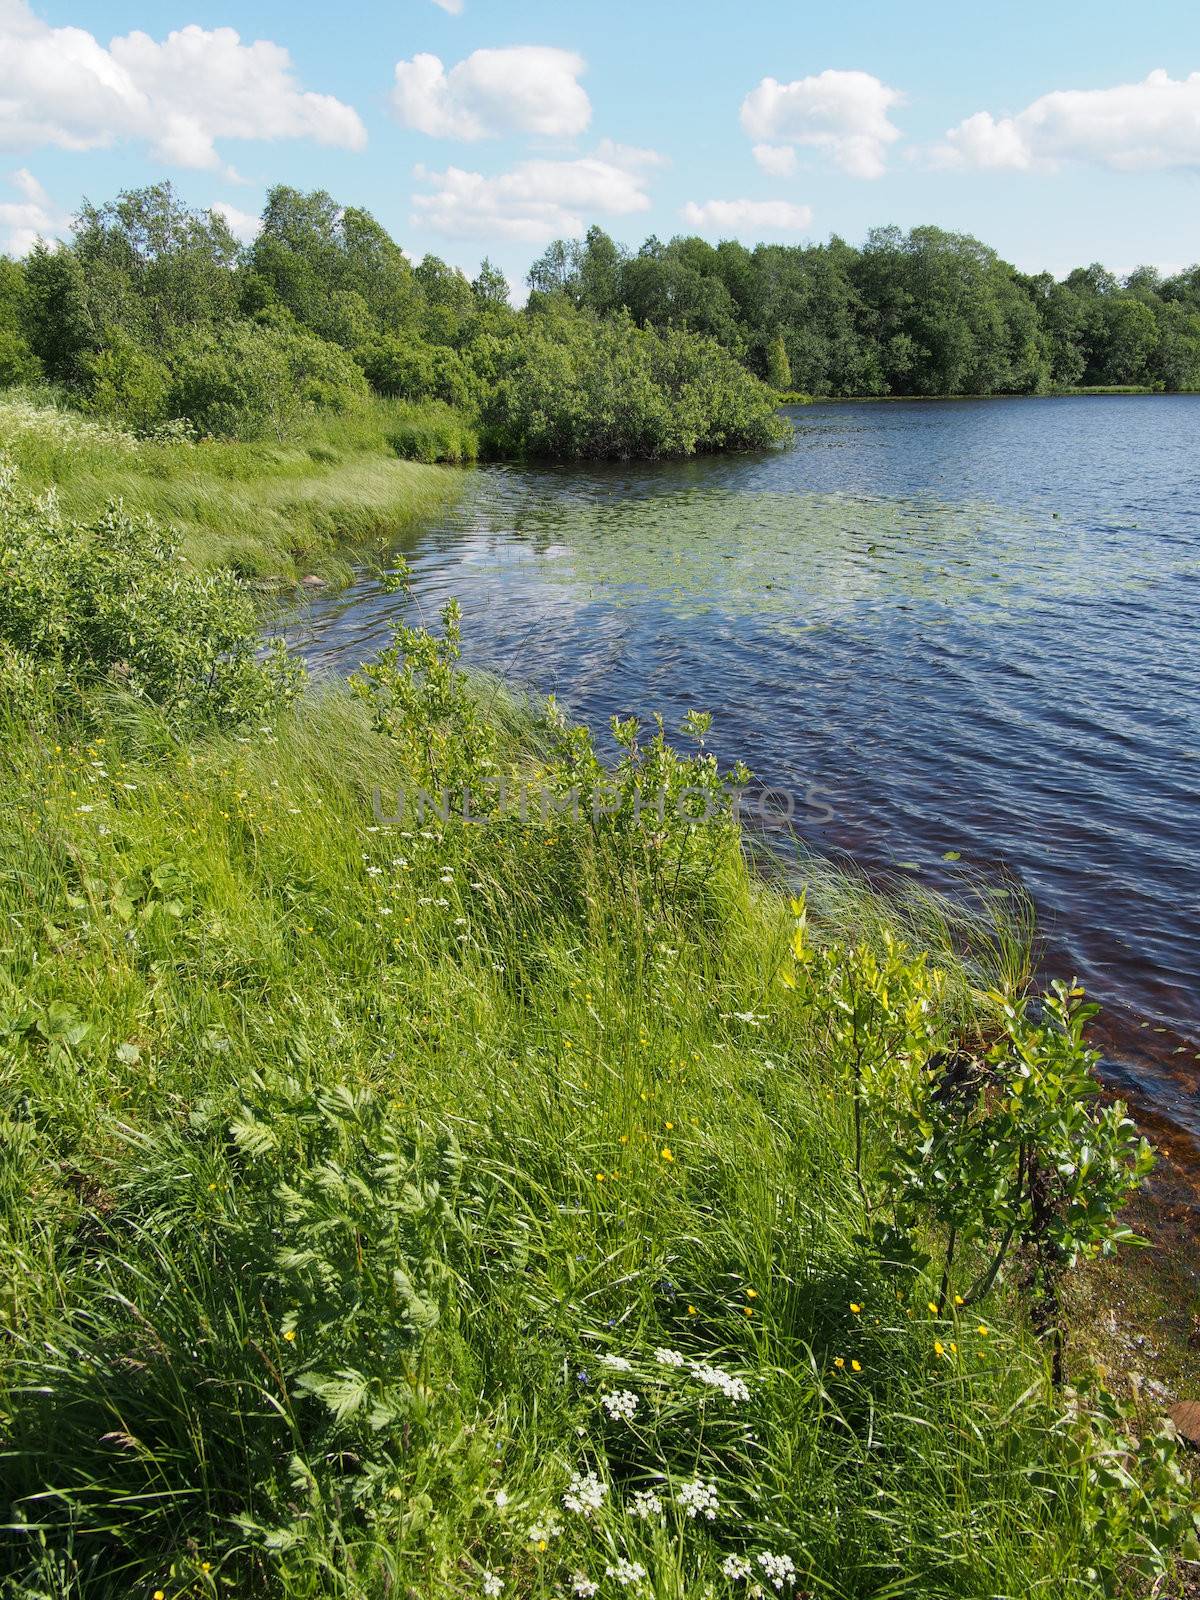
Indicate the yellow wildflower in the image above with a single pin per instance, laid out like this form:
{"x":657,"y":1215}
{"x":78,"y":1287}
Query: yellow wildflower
{"x":665,"y":1152}
{"x":855,"y":1307}
{"x":839,"y":1362}
{"x":856,"y":1365}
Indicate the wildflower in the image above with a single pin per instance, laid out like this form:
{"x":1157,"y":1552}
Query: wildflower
{"x":698,"y":1498}
{"x":981,"y":1330}
{"x":751,"y":1294}
{"x":159,"y":1594}
{"x":692,"y":1311}
{"x":290,"y":1335}
{"x":953,"y":1347}
{"x":206,"y":1566}
{"x":617,"y":1363}
{"x":856,"y":1366}
{"x":493,"y":1585}
{"x":855,"y":1307}
{"x":747,"y":1311}
{"x":939,"y":1349}
{"x":626,"y":1572}
{"x":777,"y":1568}
{"x":736,"y":1568}
{"x":501,"y":1499}
{"x":645,"y":1503}
{"x":541,"y":1533}
{"x":585,"y":1493}
{"x":665,"y":1153}
{"x":839,"y":1362}
{"x":582,"y":1586}
{"x":959,"y":1301}
{"x":620,"y":1404}
{"x":717,"y":1378}
{"x":934,"y":1308}
{"x":669,"y":1358}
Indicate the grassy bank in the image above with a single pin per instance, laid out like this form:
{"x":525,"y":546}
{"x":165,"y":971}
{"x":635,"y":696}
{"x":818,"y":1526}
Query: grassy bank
{"x":355,"y":1179}
{"x":533,"y":1207}
{"x":269,"y":511}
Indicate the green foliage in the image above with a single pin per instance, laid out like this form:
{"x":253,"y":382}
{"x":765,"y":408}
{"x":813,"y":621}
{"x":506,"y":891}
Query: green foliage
{"x":432,"y":432}
{"x":568,"y":387}
{"x":123,"y":383}
{"x":249,"y":380}
{"x":1008,"y":1147}
{"x":109,"y":601}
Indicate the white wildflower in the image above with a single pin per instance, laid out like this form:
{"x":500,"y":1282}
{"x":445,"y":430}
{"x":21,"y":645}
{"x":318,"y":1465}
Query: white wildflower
{"x":541,"y":1533}
{"x":777,"y":1568}
{"x":583,"y":1587}
{"x":698,"y":1498}
{"x":731,"y":1387}
{"x":501,"y":1498}
{"x":736,"y":1568}
{"x":626,"y":1572}
{"x":620,"y":1404}
{"x":585,"y":1494}
{"x":493,"y":1585}
{"x":669,"y":1358}
{"x":616,"y":1363}
{"x":645,"y":1503}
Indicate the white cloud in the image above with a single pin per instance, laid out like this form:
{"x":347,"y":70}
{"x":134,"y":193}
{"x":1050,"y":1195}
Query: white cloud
{"x":732,"y":217}
{"x":243,"y":225}
{"x":536,"y":199}
{"x":454,"y":7}
{"x":844,"y":114}
{"x":60,"y":86}
{"x":524,"y":88}
{"x":1131,"y":127}
{"x":34,"y":216}
{"x":777,"y":159}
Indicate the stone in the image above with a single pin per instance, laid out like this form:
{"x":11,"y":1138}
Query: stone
{"x":312,"y":582}
{"x":1186,"y":1417}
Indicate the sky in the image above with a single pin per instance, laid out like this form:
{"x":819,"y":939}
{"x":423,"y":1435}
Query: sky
{"x":1058,"y":133}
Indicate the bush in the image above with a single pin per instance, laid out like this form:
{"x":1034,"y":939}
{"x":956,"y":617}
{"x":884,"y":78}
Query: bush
{"x":18,"y":364}
{"x":85,"y":603}
{"x":407,"y":369}
{"x":570,"y":388}
{"x":124,"y":382}
{"x":248,"y":380}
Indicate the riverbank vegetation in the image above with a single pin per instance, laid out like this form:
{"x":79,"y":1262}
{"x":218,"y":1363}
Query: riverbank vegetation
{"x":154,"y":319}
{"x":526,"y":1207}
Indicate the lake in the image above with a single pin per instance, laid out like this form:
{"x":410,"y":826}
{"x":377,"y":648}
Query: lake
{"x":961,"y":627}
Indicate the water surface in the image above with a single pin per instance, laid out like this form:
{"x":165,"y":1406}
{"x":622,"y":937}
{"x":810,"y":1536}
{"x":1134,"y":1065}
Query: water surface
{"x":971,"y":625}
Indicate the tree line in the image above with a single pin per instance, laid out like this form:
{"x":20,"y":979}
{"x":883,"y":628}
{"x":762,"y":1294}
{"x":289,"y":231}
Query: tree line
{"x":920,"y":313}
{"x":155,"y":316}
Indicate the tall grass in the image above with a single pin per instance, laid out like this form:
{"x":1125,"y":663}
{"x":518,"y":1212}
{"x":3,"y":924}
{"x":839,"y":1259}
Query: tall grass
{"x":423,"y":1211}
{"x":269,"y":511}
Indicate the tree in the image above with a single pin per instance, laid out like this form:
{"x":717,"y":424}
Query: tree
{"x":779,"y":369}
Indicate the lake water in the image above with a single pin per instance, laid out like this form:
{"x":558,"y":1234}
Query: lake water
{"x":970,"y":625}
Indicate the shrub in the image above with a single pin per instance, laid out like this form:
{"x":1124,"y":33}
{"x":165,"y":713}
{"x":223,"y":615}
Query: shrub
{"x":247,"y":380}
{"x":124,"y":382}
{"x":568,"y":387}
{"x":83,"y":603}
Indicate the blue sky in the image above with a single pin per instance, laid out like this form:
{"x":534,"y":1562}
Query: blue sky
{"x":1060,"y":134}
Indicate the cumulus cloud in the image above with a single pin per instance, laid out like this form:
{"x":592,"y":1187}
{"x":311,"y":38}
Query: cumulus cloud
{"x":62,"y":87}
{"x":34,"y":216}
{"x":844,"y":114}
{"x":730,"y":217}
{"x":1131,"y":128}
{"x":777,"y":159}
{"x":243,"y":225}
{"x":537,"y":199}
{"x":524,"y":88}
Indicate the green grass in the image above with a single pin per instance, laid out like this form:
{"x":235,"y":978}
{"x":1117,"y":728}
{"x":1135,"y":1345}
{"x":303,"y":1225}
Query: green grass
{"x":336,"y":1160}
{"x":269,"y":511}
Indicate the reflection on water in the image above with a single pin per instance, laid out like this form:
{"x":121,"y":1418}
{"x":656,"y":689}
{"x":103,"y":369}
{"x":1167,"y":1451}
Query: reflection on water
{"x":971,"y":623}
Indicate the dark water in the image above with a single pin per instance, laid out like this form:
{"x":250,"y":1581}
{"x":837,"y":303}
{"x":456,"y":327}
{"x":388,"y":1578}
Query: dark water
{"x":971,"y":625}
